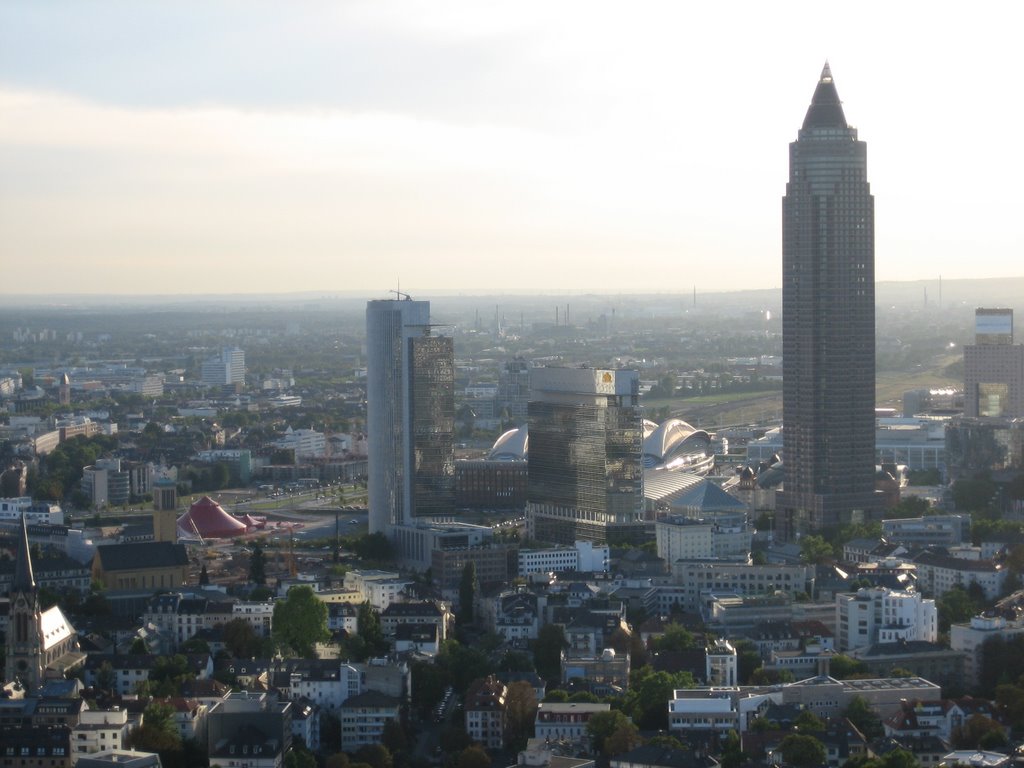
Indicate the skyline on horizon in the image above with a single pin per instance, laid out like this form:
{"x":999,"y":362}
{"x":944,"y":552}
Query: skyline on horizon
{"x":182,"y":149}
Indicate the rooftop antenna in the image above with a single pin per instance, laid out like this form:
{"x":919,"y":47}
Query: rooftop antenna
{"x":401,"y":296}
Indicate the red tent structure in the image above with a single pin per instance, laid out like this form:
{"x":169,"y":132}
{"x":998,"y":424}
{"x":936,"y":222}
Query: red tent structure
{"x":253,"y":523}
{"x":208,"y":518}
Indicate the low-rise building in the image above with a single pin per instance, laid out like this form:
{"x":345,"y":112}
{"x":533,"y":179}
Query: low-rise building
{"x":879,"y":615}
{"x":938,"y":573}
{"x":363,"y":718}
{"x":485,"y":712}
{"x":558,"y":721}
{"x":98,"y":730}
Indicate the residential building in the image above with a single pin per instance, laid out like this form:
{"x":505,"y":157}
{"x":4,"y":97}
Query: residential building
{"x":34,"y":512}
{"x":686,"y":538}
{"x":557,"y":721}
{"x":421,"y":612}
{"x":938,"y":573}
{"x":880,"y":615}
{"x":604,"y":674}
{"x":585,"y":479}
{"x":582,"y":557}
{"x":970,"y":638}
{"x":485,"y":712}
{"x":306,"y":443}
{"x":702,"y":578}
{"x":929,"y":531}
{"x":224,"y":369}
{"x":929,"y":660}
{"x":993,"y":367}
{"x":828,"y":324}
{"x":98,"y":730}
{"x":364,"y":716}
{"x":120,"y":758}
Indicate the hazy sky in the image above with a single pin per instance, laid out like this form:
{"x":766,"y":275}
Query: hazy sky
{"x":168,"y":147}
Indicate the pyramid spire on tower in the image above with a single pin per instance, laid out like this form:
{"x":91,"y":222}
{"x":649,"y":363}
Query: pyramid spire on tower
{"x":24,"y":579}
{"x":826,"y":110}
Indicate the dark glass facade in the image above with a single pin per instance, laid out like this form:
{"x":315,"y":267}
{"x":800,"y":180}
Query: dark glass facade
{"x":828,"y":322}
{"x":585,"y":479}
{"x":432,"y":415}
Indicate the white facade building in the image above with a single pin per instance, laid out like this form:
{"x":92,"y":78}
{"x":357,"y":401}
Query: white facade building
{"x":583,"y":556}
{"x":98,"y":730}
{"x":971,"y":637}
{"x":305,"y":442}
{"x":14,"y":508}
{"x":226,"y":368}
{"x":879,"y":615}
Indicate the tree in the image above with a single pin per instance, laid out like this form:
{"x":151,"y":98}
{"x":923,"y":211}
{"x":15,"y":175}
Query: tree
{"x":622,"y":739}
{"x":204,"y":577}
{"x":105,"y":677}
{"x":394,"y":737}
{"x":859,"y":713}
{"x":473,"y":757}
{"x":520,"y":714}
{"x":547,"y":651}
{"x":158,"y":732}
{"x":676,"y":638}
{"x":241,"y":639}
{"x":258,"y":565}
{"x":369,"y":629}
{"x":648,"y":692}
{"x":801,"y":751}
{"x":955,"y":607}
{"x":808,"y":722}
{"x":814,"y":549}
{"x":733,"y":755}
{"x":979,"y":731}
{"x":584,"y":697}
{"x":300,"y":621}
{"x":300,"y":758}
{"x":138,"y":647}
{"x":602,"y":725}
{"x":843,"y":667}
{"x":375,"y":755}
{"x":339,"y":760}
{"x":467,"y":593}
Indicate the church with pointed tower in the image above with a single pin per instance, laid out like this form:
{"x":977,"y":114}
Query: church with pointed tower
{"x":41,"y":644}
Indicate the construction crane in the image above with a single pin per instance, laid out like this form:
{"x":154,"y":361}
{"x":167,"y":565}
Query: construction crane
{"x":292,"y":570}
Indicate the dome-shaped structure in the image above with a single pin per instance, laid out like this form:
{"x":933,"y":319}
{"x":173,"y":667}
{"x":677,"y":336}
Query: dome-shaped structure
{"x":252,"y":523}
{"x":677,"y":445}
{"x":511,"y":446}
{"x":208,"y":519}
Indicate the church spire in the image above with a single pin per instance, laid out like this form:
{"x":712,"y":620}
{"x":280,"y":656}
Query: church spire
{"x":24,"y":579}
{"x":826,"y":110}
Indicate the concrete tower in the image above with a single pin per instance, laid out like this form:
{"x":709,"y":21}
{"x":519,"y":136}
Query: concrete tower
{"x":410,"y":415}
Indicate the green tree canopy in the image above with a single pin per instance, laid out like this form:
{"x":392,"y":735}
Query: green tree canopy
{"x":467,"y":593}
{"x":815,"y":549}
{"x":300,"y":621}
{"x":800,"y":751}
{"x":547,"y":651}
{"x":603,"y":724}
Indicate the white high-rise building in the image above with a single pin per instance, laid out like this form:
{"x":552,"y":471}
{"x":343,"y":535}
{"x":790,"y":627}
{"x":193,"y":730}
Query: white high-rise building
{"x":226,"y":368}
{"x":879,"y":615}
{"x":410,"y":416}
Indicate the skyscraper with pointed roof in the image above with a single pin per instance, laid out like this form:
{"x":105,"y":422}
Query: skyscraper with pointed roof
{"x":828,"y":323}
